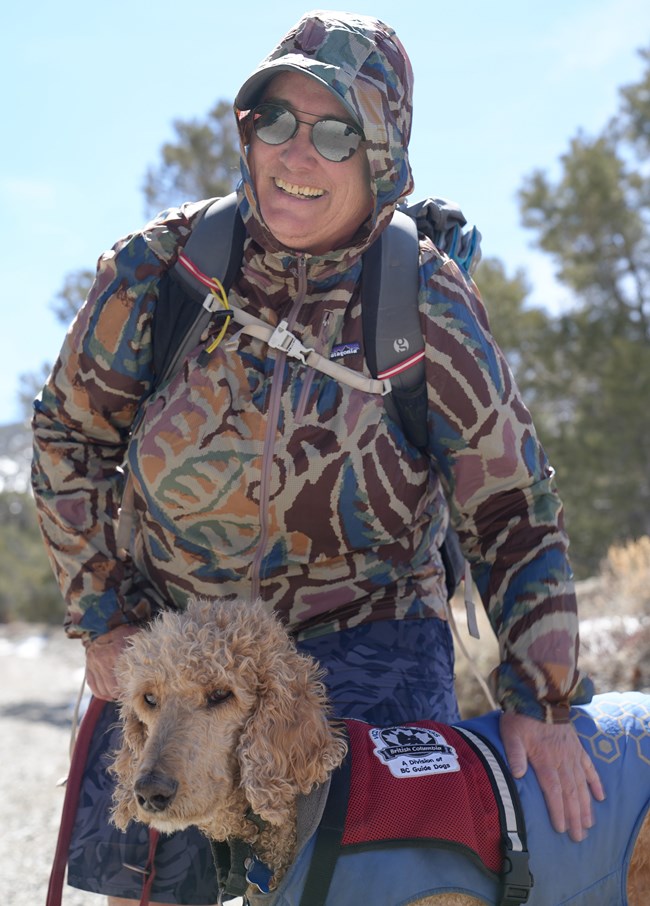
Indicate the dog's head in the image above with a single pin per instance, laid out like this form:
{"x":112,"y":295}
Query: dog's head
{"x":219,"y":712}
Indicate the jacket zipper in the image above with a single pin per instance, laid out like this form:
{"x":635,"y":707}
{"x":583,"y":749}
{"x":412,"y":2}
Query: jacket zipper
{"x":271,"y":428}
{"x":309,"y":377}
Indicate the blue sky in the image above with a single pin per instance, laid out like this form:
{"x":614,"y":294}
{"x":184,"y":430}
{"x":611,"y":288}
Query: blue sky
{"x":90,"y":92}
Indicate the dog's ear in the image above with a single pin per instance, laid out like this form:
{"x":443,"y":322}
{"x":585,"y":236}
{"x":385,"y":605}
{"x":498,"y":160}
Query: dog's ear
{"x":288,"y":745}
{"x":124,"y":767}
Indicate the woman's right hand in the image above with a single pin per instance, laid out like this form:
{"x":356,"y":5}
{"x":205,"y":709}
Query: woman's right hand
{"x":101,"y":656}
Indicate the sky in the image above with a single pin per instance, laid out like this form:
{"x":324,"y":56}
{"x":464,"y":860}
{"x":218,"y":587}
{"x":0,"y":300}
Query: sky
{"x":90,"y":93}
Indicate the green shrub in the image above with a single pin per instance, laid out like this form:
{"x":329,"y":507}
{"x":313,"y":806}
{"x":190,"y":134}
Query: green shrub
{"x":28,"y":590}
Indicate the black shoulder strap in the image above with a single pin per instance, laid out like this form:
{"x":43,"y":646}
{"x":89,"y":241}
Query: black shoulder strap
{"x":328,"y":838}
{"x":215,"y":245}
{"x":391,"y":323}
{"x":392,"y":332}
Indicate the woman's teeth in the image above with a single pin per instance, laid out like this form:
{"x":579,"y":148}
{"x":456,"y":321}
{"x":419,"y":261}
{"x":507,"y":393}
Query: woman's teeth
{"x":301,"y":191}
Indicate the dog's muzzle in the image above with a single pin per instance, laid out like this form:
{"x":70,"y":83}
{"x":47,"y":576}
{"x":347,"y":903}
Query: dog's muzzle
{"x":155,"y":792}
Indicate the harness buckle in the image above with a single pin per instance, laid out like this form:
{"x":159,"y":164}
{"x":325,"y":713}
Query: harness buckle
{"x":516,"y":879}
{"x":211,"y":302}
{"x":285,"y":341}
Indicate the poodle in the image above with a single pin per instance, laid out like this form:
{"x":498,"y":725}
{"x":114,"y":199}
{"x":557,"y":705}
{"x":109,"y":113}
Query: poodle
{"x":226,"y":727}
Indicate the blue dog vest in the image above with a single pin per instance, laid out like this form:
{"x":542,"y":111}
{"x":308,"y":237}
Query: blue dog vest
{"x":615,"y":731}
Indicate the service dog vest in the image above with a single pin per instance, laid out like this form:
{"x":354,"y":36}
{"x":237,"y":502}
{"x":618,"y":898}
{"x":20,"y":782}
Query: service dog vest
{"x":615,"y":730}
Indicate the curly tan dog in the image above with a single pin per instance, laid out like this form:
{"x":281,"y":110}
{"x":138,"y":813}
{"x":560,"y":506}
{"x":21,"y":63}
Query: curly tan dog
{"x":223,"y":719}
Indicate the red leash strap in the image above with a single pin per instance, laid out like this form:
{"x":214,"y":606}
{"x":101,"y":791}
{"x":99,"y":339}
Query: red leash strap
{"x":151,"y":867}
{"x":71,"y":801}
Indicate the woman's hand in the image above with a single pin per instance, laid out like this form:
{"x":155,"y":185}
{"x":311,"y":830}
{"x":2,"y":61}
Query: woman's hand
{"x":565,"y":772}
{"x":101,"y":656}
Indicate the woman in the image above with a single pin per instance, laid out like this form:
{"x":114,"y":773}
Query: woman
{"x":253,"y":475}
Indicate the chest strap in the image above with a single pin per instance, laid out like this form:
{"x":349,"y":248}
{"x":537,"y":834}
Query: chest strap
{"x":281,"y":338}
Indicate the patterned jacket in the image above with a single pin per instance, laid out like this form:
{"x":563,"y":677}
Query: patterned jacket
{"x":254,"y":475}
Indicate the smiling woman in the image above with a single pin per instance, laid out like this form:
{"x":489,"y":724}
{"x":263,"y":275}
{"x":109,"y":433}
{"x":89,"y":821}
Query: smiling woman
{"x":309,"y":202}
{"x":254,"y":476}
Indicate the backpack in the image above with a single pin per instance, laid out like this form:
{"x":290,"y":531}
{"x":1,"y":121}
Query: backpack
{"x":392,"y":333}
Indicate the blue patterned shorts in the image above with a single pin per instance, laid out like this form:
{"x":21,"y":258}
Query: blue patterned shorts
{"x":383,"y":672}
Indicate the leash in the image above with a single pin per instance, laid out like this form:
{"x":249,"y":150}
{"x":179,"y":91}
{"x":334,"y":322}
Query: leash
{"x":150,"y":870}
{"x":79,"y":755}
{"x":71,"y":800}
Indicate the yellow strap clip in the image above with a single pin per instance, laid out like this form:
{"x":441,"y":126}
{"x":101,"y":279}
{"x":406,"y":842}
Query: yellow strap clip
{"x":221,"y":296}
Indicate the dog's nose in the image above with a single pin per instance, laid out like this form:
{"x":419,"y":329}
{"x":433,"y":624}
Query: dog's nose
{"x":155,"y":792}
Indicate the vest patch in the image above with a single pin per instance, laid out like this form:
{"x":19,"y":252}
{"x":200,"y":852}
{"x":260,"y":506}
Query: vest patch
{"x":343,"y":349}
{"x":414,"y":751}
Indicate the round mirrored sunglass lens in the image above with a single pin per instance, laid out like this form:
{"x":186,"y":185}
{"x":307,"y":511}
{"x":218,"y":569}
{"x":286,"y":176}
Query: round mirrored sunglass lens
{"x":274,"y":125}
{"x":335,"y":140}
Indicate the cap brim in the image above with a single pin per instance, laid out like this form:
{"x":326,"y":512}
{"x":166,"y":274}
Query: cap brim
{"x":252,"y":90}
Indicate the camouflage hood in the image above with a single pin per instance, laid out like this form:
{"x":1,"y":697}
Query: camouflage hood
{"x":361,"y":61}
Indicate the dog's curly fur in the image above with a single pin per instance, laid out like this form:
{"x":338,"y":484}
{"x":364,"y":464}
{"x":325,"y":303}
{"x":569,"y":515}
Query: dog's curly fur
{"x":239,"y":720}
{"x":217,"y":702}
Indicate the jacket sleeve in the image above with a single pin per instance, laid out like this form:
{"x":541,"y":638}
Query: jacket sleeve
{"x":82,"y":422}
{"x":502,"y":499}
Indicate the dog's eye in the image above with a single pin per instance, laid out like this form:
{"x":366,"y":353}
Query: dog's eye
{"x":150,"y":699}
{"x":217,"y":697}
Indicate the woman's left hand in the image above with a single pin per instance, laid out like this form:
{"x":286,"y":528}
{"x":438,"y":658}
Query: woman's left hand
{"x":565,"y":772}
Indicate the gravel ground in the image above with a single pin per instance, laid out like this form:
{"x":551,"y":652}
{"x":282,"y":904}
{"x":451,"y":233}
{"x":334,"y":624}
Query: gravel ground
{"x":41,"y":674}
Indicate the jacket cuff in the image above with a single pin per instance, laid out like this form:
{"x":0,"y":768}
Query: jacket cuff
{"x":108,"y":612}
{"x":522,"y":699}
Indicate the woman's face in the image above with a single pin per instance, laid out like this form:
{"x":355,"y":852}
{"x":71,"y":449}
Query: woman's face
{"x":310,"y":204}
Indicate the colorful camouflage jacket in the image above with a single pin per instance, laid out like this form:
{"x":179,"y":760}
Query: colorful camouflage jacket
{"x":254,"y":475}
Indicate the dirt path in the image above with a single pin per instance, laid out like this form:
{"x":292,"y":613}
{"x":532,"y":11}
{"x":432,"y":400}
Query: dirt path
{"x":40,"y":674}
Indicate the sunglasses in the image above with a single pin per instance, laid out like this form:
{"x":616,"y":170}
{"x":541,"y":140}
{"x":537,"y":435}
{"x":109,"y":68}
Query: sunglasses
{"x":334,"y":139}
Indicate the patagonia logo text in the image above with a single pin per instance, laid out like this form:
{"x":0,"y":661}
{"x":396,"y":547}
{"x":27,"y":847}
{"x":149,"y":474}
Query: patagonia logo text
{"x":343,"y":349}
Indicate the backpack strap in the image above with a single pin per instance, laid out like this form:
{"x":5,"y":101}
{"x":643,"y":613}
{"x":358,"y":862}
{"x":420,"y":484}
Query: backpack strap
{"x":392,"y":333}
{"x":183,"y":309}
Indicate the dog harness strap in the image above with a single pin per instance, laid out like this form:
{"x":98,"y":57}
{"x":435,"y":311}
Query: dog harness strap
{"x":71,"y":801}
{"x":230,"y":863}
{"x":328,"y":838}
{"x":516,"y":879}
